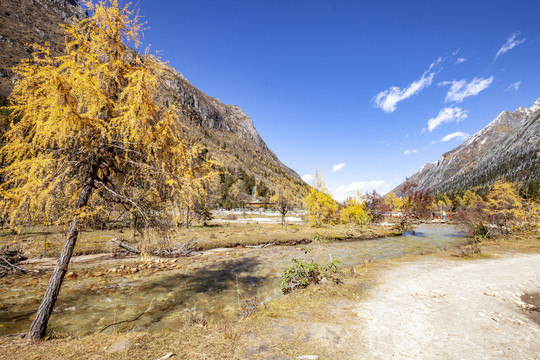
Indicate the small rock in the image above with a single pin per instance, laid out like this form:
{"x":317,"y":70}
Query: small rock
{"x":120,"y":346}
{"x":71,"y":275}
{"x":167,"y":356}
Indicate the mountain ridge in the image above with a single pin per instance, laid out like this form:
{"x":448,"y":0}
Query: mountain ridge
{"x":226,"y":130}
{"x":508,"y":147}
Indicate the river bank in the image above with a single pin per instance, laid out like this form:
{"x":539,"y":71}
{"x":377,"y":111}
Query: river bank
{"x":325,"y":320}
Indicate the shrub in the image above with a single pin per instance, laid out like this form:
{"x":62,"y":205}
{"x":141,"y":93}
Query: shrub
{"x":301,"y":274}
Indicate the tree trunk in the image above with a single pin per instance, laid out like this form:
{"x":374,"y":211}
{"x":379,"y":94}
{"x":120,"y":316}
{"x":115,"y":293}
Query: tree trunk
{"x":39,"y":325}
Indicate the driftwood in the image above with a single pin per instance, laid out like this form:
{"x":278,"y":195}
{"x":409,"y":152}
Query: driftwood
{"x":260,"y":246}
{"x":167,"y":356}
{"x":9,"y":267}
{"x":126,"y":247}
{"x":8,"y":259}
{"x":186,"y":249}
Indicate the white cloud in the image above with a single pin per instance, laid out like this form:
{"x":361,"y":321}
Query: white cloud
{"x":460,"y":60}
{"x":338,"y":167}
{"x":409,"y":152}
{"x":459,"y":90}
{"x":514,"y":86}
{"x":307,"y":178}
{"x":388,"y":99}
{"x":361,"y":186}
{"x":511,"y":42}
{"x":456,"y":135}
{"x":448,"y":114}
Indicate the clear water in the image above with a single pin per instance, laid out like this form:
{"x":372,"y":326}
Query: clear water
{"x":209,"y":287}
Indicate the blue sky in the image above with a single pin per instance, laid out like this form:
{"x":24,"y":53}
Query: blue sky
{"x":365,"y":91}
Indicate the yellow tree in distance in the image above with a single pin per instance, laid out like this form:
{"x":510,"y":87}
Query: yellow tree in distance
{"x":393,"y":201}
{"x":355,"y":212}
{"x":87,"y":132}
{"x":504,"y":205}
{"x":319,"y":203}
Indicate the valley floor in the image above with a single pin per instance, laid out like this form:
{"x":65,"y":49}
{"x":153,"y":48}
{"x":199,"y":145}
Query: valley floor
{"x":435,"y":306}
{"x":434,"y":309}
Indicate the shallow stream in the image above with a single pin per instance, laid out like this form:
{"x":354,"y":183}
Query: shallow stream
{"x":216,"y":285}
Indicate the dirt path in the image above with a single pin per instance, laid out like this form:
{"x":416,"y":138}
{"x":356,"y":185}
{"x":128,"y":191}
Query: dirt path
{"x":436,"y":309}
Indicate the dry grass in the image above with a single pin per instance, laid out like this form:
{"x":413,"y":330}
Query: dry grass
{"x":527,"y":242}
{"x":45,"y":241}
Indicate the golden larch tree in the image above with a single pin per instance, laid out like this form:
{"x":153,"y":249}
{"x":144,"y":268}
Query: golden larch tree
{"x":88,"y":131}
{"x":355,"y":211}
{"x":504,"y":205}
{"x":319,"y":203}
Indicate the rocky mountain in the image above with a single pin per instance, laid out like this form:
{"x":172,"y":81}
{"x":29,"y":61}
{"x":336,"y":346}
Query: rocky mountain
{"x":226,"y":130}
{"x":509,"y":147}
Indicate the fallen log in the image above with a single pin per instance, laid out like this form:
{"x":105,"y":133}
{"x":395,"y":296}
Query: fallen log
{"x":185,"y":249}
{"x":8,"y":259}
{"x":260,"y":246}
{"x":126,"y":247}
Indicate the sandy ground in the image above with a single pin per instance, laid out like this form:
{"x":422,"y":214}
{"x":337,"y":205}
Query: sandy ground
{"x":437,"y":309}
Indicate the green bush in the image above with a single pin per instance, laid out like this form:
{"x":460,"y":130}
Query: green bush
{"x":301,"y":274}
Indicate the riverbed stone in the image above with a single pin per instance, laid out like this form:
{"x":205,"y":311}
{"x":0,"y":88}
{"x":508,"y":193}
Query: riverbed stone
{"x":120,"y":346}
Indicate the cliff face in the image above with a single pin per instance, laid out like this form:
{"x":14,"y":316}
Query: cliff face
{"x":509,"y":147}
{"x":226,"y":130}
{"x":25,"y":22}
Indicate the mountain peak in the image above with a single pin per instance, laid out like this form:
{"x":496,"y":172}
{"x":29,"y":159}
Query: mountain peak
{"x":535,"y":106}
{"x":506,"y":147}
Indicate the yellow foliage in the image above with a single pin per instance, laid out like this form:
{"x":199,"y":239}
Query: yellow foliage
{"x":393,"y":201}
{"x":319,"y":203}
{"x":355,"y":211}
{"x":504,"y":205}
{"x":91,"y":118}
{"x":532,"y":215}
{"x":471,"y":199}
